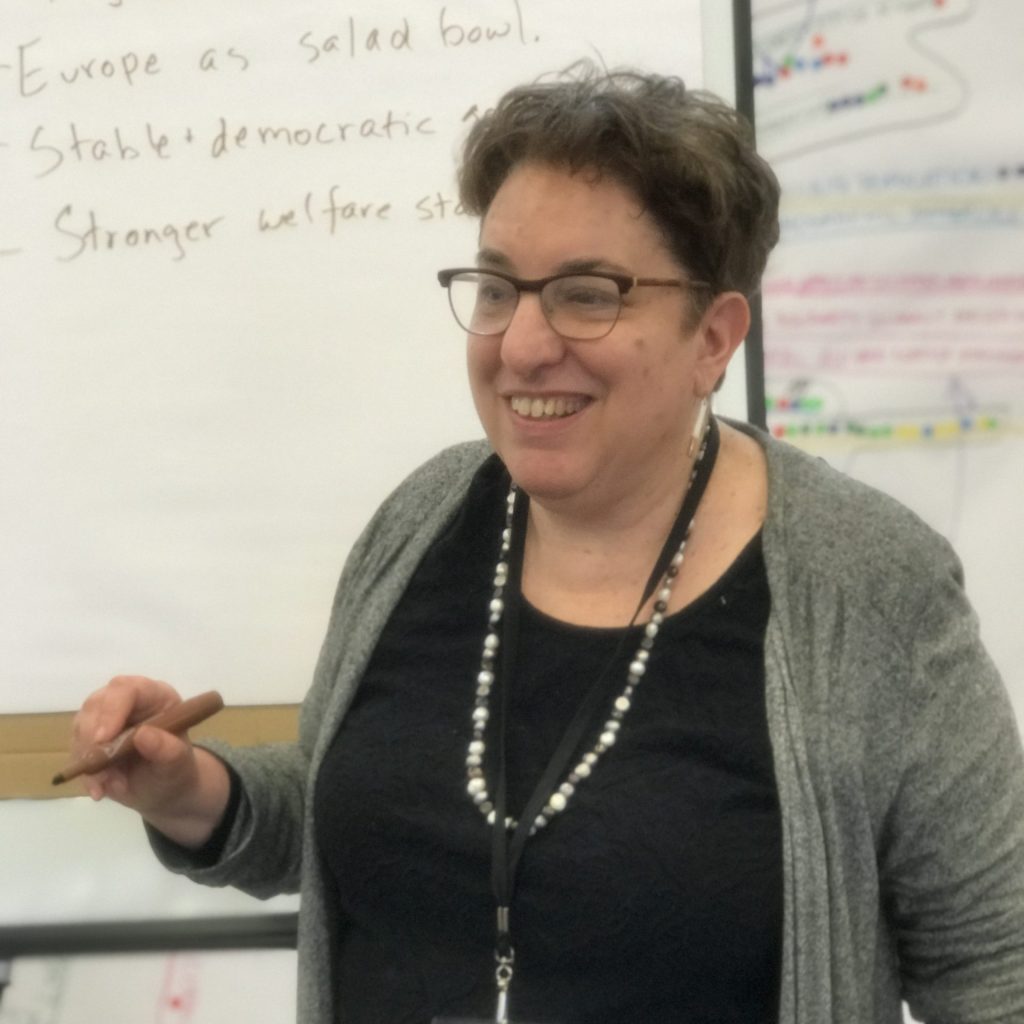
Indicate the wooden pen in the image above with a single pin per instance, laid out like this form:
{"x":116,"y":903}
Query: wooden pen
{"x":174,"y":719}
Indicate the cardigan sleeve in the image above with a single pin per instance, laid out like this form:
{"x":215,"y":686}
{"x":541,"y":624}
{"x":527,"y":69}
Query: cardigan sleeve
{"x":952,"y":856}
{"x":262,"y":851}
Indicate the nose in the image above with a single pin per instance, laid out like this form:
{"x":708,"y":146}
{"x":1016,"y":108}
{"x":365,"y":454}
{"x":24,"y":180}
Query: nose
{"x":530,"y":342}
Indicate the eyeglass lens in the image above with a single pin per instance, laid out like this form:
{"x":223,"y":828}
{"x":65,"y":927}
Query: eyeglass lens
{"x":577,"y":306}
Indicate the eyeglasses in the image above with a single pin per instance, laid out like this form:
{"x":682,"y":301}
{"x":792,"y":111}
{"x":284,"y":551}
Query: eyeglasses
{"x":580,"y":307}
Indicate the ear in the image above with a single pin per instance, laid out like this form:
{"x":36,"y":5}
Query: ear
{"x":722,"y":328}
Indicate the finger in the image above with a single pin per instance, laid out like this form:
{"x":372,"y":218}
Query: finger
{"x":86,"y":720}
{"x":160,"y":747}
{"x":128,"y":699}
{"x":118,"y":788}
{"x":125,"y":698}
{"x":105,"y":712}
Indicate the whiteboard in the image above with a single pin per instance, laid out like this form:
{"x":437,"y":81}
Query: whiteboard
{"x":77,"y":862}
{"x":221,"y":338}
{"x":256,"y":986}
{"x":894,"y":304}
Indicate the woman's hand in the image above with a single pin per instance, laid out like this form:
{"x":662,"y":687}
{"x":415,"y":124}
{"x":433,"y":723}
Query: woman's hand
{"x":181,"y":790}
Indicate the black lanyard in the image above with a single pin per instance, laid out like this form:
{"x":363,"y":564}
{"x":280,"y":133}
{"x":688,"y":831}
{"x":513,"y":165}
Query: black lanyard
{"x":505,"y":855}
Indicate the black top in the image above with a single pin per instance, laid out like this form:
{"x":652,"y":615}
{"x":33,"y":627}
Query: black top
{"x":656,"y":896}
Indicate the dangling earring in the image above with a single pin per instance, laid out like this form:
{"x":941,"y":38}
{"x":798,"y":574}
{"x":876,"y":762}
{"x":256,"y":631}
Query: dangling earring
{"x":700,"y":425}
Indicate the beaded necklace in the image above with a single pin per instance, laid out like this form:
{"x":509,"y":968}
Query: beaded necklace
{"x":551,"y":798}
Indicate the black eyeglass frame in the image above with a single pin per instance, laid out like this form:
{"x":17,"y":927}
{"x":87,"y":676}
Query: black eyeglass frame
{"x":623,"y":282}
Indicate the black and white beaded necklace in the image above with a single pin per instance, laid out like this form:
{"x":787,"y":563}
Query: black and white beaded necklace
{"x":497,"y":664}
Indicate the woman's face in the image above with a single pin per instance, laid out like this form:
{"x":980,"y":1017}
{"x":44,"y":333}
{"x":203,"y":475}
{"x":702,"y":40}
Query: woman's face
{"x":624,"y":404}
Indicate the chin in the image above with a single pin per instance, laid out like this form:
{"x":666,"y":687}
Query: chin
{"x":545,"y":479}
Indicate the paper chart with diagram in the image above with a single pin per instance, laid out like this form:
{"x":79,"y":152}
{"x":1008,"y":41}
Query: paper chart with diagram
{"x":894,"y":305}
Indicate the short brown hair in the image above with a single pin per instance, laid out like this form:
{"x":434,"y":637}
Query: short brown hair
{"x":687,"y":156}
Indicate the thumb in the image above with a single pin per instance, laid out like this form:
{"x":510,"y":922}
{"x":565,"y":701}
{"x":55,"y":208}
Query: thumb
{"x":159,"y":746}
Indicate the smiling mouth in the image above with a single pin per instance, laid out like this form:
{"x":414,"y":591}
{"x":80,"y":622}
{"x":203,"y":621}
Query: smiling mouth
{"x":546,"y":408}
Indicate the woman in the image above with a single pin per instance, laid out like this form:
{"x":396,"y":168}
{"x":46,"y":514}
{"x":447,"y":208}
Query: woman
{"x":793,"y":791}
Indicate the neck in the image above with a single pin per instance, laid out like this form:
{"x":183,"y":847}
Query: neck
{"x":591,"y":566}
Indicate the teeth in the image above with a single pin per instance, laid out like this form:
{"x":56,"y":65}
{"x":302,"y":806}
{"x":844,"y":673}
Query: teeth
{"x":545,"y":408}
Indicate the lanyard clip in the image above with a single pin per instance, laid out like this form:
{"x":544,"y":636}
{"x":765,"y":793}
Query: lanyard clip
{"x":505,"y":956}
{"x":503,"y":979}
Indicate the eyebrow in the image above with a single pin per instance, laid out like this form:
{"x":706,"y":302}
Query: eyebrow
{"x":493,"y":258}
{"x":499,"y":261}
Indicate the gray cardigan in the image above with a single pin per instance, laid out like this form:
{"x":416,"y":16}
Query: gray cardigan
{"x":899,"y":766}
